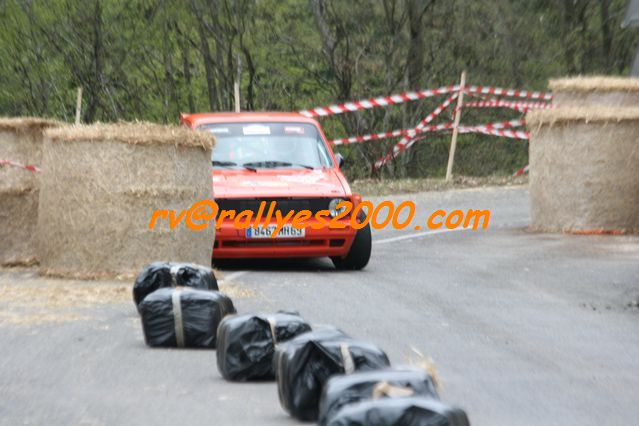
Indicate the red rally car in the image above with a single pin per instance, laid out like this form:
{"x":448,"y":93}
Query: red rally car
{"x":282,"y":157}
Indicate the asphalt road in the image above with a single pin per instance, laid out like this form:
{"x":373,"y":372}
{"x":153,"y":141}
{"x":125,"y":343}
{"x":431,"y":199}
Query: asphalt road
{"x":525,"y":329}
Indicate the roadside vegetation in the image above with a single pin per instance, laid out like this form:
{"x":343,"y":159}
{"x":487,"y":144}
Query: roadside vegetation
{"x":381,"y":187}
{"x":152,"y":59}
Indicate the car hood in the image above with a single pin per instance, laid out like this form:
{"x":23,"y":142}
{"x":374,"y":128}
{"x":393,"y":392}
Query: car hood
{"x":277,"y":183}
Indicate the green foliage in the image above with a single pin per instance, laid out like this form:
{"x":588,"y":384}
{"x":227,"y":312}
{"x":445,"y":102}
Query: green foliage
{"x":152,"y":59}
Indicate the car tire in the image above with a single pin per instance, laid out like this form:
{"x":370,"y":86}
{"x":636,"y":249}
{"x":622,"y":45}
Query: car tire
{"x":360,"y":252}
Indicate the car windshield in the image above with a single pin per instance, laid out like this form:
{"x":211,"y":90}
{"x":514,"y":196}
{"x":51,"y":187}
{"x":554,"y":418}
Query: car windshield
{"x":268,"y":145}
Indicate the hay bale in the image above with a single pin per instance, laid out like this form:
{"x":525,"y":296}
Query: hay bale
{"x":583,"y":169}
{"x":21,"y":142}
{"x":595,"y":90}
{"x":100,"y":187}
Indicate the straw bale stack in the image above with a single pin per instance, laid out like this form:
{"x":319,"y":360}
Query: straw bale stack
{"x":20,"y":142}
{"x":595,"y":91}
{"x":584,"y":169}
{"x":101,"y":185}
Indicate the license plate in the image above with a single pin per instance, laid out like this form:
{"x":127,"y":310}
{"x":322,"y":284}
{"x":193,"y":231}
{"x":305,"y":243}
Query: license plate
{"x":287,"y":231}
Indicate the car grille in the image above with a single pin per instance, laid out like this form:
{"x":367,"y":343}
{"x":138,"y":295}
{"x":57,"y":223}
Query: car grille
{"x":284,"y":205}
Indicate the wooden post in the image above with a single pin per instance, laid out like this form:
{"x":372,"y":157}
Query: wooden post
{"x":78,"y":106}
{"x":453,"y":141}
{"x":236,"y":86}
{"x":236,"y":89}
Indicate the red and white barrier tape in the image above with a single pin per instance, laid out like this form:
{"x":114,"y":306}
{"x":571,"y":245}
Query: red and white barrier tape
{"x":513,"y":134}
{"x":495,"y":129}
{"x":408,"y":136}
{"x":494,"y":126}
{"x":370,"y":137}
{"x":382,"y":101}
{"x":519,"y":106}
{"x":411,"y":133}
{"x":378,"y":102}
{"x":407,"y":141}
{"x":28,"y":167}
{"x":392,"y":134}
{"x":511,"y":93}
{"x":521,"y":171}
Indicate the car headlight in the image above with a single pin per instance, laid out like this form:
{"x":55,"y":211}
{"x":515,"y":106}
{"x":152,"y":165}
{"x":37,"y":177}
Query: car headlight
{"x":332,"y":207}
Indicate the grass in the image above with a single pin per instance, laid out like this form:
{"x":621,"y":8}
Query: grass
{"x":28,"y":299}
{"x":374,"y":187}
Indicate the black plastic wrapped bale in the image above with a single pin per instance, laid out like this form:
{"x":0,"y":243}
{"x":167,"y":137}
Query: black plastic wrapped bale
{"x":183,"y":317}
{"x":246,"y":343}
{"x":413,"y":411}
{"x":305,"y":363}
{"x":404,"y":381}
{"x":167,"y":274}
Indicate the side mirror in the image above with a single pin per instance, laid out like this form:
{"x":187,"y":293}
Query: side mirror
{"x":340,"y":160}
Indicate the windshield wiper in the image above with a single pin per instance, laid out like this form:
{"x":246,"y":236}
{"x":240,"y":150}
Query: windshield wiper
{"x":223,"y":163}
{"x":232,"y":164}
{"x":298,"y":165}
{"x":273,"y":164}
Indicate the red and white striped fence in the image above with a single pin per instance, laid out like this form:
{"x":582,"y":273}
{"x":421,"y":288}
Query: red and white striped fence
{"x":407,"y":141}
{"x":518,"y":106}
{"x":521,"y":171}
{"x":513,"y":134}
{"x":410,"y":136}
{"x":378,"y":102}
{"x":392,"y":134}
{"x":400,"y":98}
{"x":499,"y":129}
{"x":28,"y":167}
{"x":508,"y":93}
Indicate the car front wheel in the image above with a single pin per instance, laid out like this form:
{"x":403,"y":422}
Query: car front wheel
{"x":359,"y":254}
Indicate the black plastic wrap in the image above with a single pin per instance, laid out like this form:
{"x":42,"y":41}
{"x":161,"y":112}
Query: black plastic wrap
{"x":199,"y":312}
{"x":415,"y":411}
{"x":169,"y":274}
{"x":245,"y":343}
{"x":360,"y":386}
{"x":305,"y":363}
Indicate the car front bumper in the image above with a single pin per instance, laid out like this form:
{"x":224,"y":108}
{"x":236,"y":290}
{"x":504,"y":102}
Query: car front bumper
{"x":232,"y":243}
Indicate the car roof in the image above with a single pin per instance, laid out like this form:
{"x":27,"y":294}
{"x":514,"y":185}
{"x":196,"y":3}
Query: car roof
{"x":195,"y":120}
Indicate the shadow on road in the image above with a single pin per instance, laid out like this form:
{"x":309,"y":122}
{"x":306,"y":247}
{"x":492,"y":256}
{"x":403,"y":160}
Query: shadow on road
{"x":320,"y":264}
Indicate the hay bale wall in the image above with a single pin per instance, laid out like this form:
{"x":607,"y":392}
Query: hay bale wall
{"x":100,"y":188}
{"x":584,"y":169}
{"x":20,"y":141}
{"x":595,"y":91}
